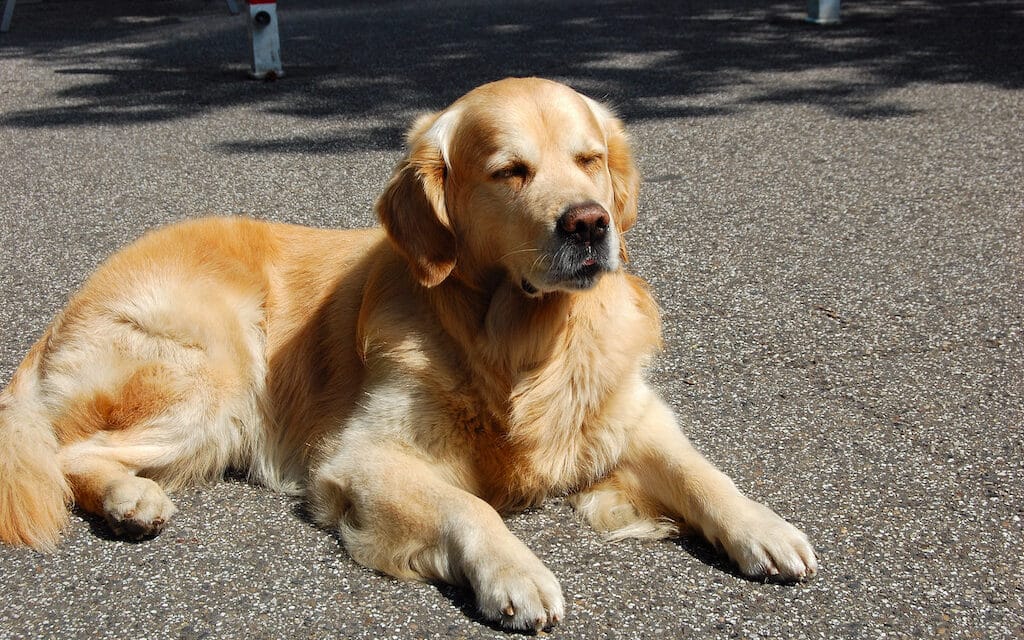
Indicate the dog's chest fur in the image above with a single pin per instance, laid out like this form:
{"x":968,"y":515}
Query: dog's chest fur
{"x":545,"y":383}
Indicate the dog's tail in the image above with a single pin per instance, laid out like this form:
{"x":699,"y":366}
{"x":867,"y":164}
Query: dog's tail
{"x":34,"y":493}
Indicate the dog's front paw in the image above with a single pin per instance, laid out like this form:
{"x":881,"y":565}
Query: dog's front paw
{"x":137,"y":508}
{"x":517,"y":590}
{"x":764,"y":545}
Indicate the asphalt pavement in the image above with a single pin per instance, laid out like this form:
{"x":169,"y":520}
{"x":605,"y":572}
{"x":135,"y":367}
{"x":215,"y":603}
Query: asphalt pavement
{"x":831,"y":221}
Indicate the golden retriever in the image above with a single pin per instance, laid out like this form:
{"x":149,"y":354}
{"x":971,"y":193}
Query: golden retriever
{"x":482,"y":351}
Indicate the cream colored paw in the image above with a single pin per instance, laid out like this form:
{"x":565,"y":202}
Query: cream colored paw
{"x":764,"y":545}
{"x":518,"y":591}
{"x":137,"y":508}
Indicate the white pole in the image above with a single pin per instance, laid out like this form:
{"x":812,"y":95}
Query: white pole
{"x":5,"y":24}
{"x":823,"y":11}
{"x":265,"y":40}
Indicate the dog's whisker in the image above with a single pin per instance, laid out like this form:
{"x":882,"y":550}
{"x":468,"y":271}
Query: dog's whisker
{"x":516,"y":251}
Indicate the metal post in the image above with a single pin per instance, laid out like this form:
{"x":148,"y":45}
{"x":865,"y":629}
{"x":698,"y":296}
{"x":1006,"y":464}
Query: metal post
{"x":823,"y":11}
{"x":265,"y":41}
{"x":5,"y":24}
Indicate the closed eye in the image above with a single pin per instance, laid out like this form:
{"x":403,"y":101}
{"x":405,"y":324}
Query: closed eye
{"x":590,"y":161}
{"x":515,"y":171}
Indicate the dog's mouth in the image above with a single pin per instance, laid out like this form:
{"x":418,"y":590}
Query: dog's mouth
{"x":567,"y":274}
{"x":586,"y":275}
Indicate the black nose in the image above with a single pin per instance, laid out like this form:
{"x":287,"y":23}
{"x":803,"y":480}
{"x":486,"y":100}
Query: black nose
{"x":585,"y":224}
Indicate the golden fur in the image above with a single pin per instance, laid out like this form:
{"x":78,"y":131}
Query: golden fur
{"x":479,"y":353}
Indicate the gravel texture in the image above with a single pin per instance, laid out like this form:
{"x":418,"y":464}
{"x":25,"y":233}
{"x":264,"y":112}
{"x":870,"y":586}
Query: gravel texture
{"x":831,"y":221}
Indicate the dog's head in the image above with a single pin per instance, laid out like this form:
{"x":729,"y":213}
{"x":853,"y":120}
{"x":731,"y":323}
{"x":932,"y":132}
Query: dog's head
{"x":521,"y":176}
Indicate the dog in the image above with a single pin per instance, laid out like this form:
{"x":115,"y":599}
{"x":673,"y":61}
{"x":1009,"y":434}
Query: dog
{"x":481,"y":351}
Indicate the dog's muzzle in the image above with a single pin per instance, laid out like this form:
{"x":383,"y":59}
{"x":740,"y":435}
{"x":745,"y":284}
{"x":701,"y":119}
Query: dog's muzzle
{"x":584,"y":246}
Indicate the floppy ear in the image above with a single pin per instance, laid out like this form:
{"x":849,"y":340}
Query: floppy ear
{"x":625,"y":177}
{"x":623,"y":171}
{"x":412,"y":207}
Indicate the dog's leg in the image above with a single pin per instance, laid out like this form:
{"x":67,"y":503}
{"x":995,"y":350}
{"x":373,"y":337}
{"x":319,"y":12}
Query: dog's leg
{"x":160,"y":429}
{"x":103,"y":484}
{"x":660,"y":467}
{"x":398,"y":514}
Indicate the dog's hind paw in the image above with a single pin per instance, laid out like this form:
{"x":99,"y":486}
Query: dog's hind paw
{"x":137,"y":508}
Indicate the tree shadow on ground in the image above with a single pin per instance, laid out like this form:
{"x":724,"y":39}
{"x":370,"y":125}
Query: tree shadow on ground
{"x":382,"y":62}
